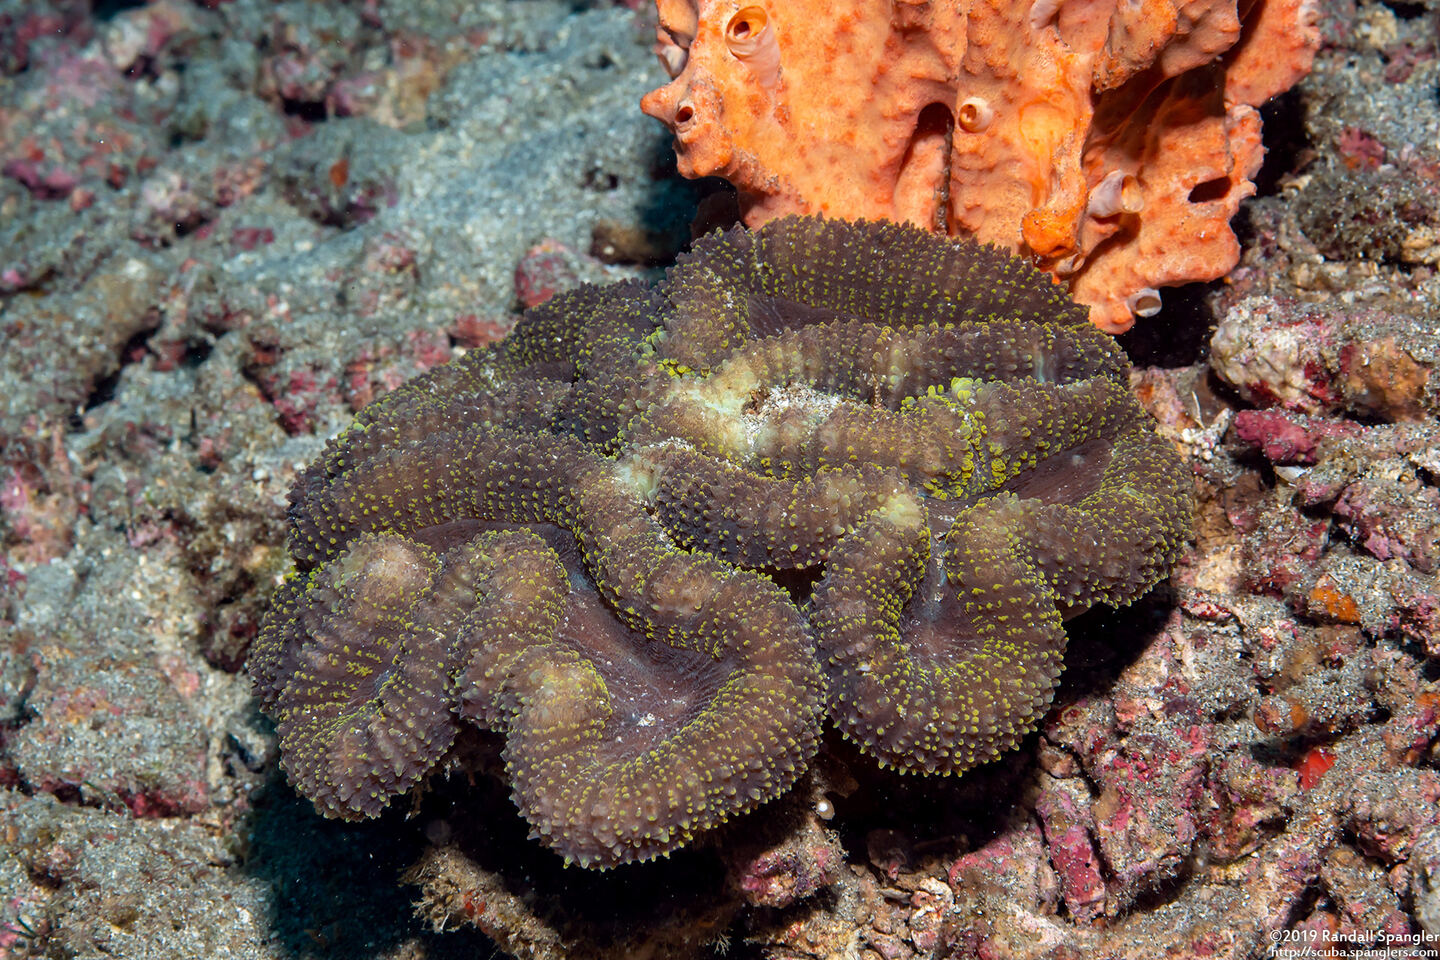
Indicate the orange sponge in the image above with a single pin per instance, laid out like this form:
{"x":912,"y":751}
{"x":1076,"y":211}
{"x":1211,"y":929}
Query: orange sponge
{"x":1112,"y":140}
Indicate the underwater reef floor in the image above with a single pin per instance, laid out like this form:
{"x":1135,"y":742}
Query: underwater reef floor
{"x":226,"y":227}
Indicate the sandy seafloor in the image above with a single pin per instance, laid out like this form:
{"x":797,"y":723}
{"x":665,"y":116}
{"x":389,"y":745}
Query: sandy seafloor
{"x":226,"y":226}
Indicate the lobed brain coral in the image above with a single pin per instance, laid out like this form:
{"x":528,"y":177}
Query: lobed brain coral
{"x":657,"y":536}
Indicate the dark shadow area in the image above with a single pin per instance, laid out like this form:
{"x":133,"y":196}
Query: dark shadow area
{"x":670,"y":205}
{"x":1286,"y":146}
{"x":669,"y":212}
{"x":134,"y":350}
{"x":103,"y":10}
{"x":1404,"y":10}
{"x":1179,"y":336}
{"x":1104,"y":641}
{"x":897,"y":822}
{"x":597,"y":906}
{"x":336,"y":886}
{"x":1210,"y":190}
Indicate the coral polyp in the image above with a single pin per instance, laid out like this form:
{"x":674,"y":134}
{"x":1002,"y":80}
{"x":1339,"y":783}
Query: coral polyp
{"x":657,"y":536}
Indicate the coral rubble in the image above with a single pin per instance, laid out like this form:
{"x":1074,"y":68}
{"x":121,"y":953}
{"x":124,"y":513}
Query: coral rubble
{"x":656,"y":535}
{"x":1113,"y":142}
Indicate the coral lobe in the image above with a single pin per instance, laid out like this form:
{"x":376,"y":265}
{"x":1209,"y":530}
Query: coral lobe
{"x":656,"y":536}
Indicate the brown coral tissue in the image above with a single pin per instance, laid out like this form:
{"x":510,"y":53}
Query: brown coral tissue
{"x":657,"y":536}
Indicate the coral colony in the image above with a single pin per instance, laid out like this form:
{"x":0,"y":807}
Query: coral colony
{"x":1111,"y":141}
{"x":657,"y":537}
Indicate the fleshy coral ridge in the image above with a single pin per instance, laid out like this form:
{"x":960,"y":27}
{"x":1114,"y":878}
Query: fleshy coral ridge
{"x":656,"y":536}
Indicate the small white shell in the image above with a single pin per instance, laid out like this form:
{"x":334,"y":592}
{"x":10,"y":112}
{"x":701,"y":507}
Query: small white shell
{"x":751,"y":40}
{"x":1069,"y":265}
{"x":974,"y":114}
{"x":684,"y":113}
{"x":1118,"y":192}
{"x":1289,"y":474}
{"x":1042,"y":12}
{"x":673,"y":58}
{"x":1144,"y":302}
